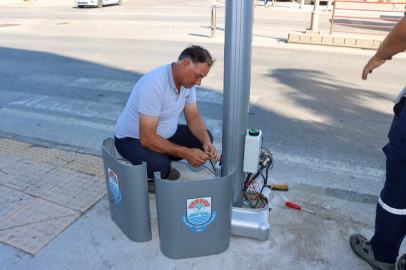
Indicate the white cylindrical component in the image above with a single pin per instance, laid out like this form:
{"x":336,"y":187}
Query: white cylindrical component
{"x":252,"y":150}
{"x":314,"y":24}
{"x":329,"y":4}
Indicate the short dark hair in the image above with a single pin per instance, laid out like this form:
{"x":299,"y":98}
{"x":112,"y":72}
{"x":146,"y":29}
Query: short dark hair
{"x":197,"y":55}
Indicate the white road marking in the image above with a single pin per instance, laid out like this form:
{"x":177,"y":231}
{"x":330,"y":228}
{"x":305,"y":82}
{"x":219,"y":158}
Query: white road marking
{"x":69,"y":81}
{"x":72,"y":106}
{"x":56,"y":119}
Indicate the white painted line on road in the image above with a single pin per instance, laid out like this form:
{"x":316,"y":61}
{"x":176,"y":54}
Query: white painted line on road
{"x":332,"y":167}
{"x":208,"y":96}
{"x":56,"y":119}
{"x":69,"y":81}
{"x":72,"y":106}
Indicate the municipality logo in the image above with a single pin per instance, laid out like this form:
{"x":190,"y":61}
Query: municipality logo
{"x":198,"y":214}
{"x":113,"y":186}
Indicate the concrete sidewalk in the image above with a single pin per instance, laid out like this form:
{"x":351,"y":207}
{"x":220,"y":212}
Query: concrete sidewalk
{"x":50,"y":219}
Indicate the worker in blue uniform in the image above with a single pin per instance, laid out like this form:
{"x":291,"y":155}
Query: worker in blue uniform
{"x":390,"y":222}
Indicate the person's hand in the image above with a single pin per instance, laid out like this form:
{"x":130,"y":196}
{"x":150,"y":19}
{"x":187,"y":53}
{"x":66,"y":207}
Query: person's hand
{"x":196,"y":157}
{"x":373,"y":63}
{"x":211,"y":151}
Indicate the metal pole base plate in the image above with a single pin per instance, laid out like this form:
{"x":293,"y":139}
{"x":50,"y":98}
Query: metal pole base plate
{"x":252,"y":222}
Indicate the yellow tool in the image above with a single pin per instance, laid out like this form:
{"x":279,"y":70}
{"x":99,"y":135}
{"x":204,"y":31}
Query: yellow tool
{"x":279,"y":187}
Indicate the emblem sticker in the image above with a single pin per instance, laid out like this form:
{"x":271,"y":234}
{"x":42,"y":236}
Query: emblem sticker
{"x":113,"y":186}
{"x":198,"y":213}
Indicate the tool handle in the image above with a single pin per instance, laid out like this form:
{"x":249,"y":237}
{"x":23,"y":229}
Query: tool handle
{"x":292,"y":205}
{"x":278,"y":187}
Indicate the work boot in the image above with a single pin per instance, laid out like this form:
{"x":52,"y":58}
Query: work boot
{"x":151,"y":186}
{"x":362,"y":248}
{"x":173,"y":175}
{"x":401,"y":262}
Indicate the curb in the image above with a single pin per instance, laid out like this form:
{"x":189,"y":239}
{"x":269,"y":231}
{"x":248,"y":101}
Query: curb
{"x":330,"y":40}
{"x":53,"y":145}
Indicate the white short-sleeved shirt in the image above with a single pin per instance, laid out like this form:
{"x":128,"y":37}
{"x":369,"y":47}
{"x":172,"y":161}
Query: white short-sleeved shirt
{"x":155,"y":94}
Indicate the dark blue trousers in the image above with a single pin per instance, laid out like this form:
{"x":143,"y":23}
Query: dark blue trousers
{"x":132,"y":150}
{"x":390,"y":222}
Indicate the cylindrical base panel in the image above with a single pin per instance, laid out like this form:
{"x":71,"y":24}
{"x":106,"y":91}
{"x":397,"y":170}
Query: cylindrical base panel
{"x":194,"y":217}
{"x":127,"y":190}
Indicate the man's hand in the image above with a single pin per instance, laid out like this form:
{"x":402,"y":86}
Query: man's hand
{"x":196,"y":157}
{"x":373,"y":63}
{"x":211,"y":151}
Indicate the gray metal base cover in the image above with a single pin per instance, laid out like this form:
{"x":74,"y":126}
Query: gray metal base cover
{"x":127,"y":189}
{"x":253,"y":223}
{"x":194,"y":217}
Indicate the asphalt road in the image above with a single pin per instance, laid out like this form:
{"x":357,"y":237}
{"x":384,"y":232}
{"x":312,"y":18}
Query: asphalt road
{"x":66,"y":74}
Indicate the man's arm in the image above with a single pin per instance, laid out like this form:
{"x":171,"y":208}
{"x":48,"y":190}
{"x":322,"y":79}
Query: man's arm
{"x":198,"y":129}
{"x":393,"y":44}
{"x":151,"y":140}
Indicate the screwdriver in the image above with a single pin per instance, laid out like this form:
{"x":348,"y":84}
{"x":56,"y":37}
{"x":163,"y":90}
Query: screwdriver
{"x":298,"y":207}
{"x":278,"y":187}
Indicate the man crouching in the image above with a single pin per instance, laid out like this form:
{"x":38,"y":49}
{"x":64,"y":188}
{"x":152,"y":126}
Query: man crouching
{"x":148,"y":129}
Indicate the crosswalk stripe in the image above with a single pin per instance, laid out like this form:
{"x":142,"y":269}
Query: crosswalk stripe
{"x":69,"y":81}
{"x":71,"y":106}
{"x":116,"y":86}
{"x":213,"y":97}
{"x":57,"y":119}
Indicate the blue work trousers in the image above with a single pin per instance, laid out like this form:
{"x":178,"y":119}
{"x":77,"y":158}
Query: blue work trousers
{"x":390,"y":222}
{"x":132,"y":150}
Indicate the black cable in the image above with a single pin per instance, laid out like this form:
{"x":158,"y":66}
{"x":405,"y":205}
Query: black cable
{"x":266,"y":179}
{"x":246,"y":184}
{"x":212,"y":165}
{"x":210,"y":169}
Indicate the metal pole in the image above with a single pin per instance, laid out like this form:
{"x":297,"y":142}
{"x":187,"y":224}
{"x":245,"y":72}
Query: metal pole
{"x":237,"y":80}
{"x":314,"y":24}
{"x":332,"y":17}
{"x":301,"y":4}
{"x":329,"y":3}
{"x":213,"y":21}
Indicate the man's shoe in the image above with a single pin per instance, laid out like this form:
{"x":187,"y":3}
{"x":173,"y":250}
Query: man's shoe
{"x":173,"y":175}
{"x":151,"y":186}
{"x":401,"y":262}
{"x":362,"y":248}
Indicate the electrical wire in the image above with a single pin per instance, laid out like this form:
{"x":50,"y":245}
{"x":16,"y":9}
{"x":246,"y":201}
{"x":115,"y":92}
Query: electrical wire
{"x":252,"y":197}
{"x":213,"y":171}
{"x":212,"y":165}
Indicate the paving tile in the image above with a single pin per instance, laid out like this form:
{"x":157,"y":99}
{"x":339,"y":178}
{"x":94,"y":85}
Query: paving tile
{"x":88,"y":164}
{"x":40,"y":154}
{"x":48,"y":181}
{"x":8,"y":160}
{"x":5,"y":164}
{"x":9,"y":146}
{"x":63,"y":159}
{"x":11,"y":201}
{"x":78,"y":192}
{"x":35,"y":225}
{"x":2,"y":155}
{"x":5,"y":178}
{"x":23,"y":173}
